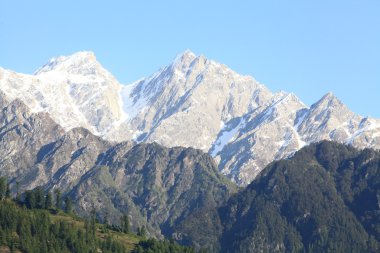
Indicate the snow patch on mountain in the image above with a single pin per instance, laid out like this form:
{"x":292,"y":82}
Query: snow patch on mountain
{"x":224,"y":137}
{"x":192,"y":102}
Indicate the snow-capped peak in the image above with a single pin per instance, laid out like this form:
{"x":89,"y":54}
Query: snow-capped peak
{"x":187,"y":55}
{"x":329,"y":102}
{"x":183,"y":61}
{"x":192,"y":102}
{"x":328,"y":98}
{"x":83,"y":62}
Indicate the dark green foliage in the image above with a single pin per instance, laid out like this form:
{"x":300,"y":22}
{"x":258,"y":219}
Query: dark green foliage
{"x":17,"y":191}
{"x":8,"y":191}
{"x":58,"y":199}
{"x":3,"y":187}
{"x":324,"y":199}
{"x":154,"y":246}
{"x":105,"y":218}
{"x":33,"y":231}
{"x":141,"y":231}
{"x":68,"y":205}
{"x":92,"y":224}
{"x":30,"y":199}
{"x":35,"y":198}
{"x":125,"y":225}
{"x":48,"y":201}
{"x":39,"y":196}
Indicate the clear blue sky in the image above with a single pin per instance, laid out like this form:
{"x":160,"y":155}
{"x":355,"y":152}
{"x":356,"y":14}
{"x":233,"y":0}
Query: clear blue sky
{"x":305,"y":47}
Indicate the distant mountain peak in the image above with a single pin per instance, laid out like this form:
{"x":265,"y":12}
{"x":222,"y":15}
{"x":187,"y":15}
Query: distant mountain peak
{"x":184,"y":60}
{"x":330,"y":101}
{"x":187,"y":54}
{"x":192,"y":102}
{"x":72,"y":63}
{"x":329,"y":96}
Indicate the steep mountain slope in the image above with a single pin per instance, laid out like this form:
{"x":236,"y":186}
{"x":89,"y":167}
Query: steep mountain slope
{"x":34,"y":150}
{"x":192,"y":97}
{"x":324,"y":199}
{"x":261,"y":137}
{"x":62,"y":163}
{"x":192,"y":102}
{"x":22,"y":135}
{"x":159,"y":187}
{"x":287,"y":125}
{"x":76,"y":91}
{"x":330,"y":119}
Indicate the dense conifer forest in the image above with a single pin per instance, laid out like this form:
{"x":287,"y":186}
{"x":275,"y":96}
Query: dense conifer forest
{"x":37,"y":222}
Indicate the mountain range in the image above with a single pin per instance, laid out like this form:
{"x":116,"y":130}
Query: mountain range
{"x":324,"y":198}
{"x":193,"y":102}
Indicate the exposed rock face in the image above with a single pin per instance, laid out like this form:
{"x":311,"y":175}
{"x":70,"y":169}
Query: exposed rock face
{"x":193,"y":102}
{"x":66,"y":160}
{"x":36,"y":151}
{"x":76,"y":91}
{"x":187,"y":103}
{"x":285,"y":126}
{"x":159,"y":187}
{"x":22,"y":135}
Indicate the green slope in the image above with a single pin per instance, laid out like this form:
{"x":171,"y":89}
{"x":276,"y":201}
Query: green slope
{"x":41,"y":230}
{"x":324,"y":199}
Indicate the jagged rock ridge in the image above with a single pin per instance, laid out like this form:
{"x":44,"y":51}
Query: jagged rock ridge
{"x":193,"y":102}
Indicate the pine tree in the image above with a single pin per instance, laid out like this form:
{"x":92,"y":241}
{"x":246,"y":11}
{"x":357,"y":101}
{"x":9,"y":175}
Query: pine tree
{"x":48,"y":201}
{"x":58,"y":199}
{"x":30,"y":199}
{"x":17,"y":191}
{"x":141,"y":231}
{"x":105,"y":220}
{"x":125,"y":225}
{"x":23,"y":230}
{"x":40,"y":197}
{"x":68,"y":205}
{"x":93,"y":222}
{"x":8,"y":192}
{"x":3,"y":187}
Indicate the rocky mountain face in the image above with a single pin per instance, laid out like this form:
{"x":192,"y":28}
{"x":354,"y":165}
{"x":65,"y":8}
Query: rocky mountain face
{"x":193,"y":102}
{"x":286,"y":126}
{"x":191,"y":97}
{"x":158,"y":187}
{"x":76,"y":91}
{"x":324,"y":199}
{"x":22,"y":135}
{"x":37,"y":151}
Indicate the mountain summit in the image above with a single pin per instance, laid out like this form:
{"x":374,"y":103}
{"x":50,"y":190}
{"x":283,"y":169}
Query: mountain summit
{"x":192,"y":102}
{"x":71,"y":64}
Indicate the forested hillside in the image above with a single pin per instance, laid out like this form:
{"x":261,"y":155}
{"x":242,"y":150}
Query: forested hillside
{"x":36,"y":223}
{"x":324,"y":199}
